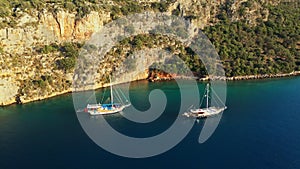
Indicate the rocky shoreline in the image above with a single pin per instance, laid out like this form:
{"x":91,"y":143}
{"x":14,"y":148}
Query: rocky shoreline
{"x":267,"y":76}
{"x":162,"y":77}
{"x":150,"y":78}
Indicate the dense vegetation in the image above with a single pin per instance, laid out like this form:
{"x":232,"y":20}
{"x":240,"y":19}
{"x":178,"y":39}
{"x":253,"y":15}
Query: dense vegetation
{"x":49,"y":82}
{"x":268,"y":48}
{"x":68,"y":54}
{"x":10,"y":10}
{"x":127,"y":46}
{"x":263,"y":47}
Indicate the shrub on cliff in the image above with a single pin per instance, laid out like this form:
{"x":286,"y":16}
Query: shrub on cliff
{"x":66,"y":63}
{"x":160,"y":6}
{"x":4,"y":10}
{"x":69,"y":49}
{"x":49,"y":49}
{"x":40,"y":83}
{"x":69,"y":52}
{"x":1,"y":50}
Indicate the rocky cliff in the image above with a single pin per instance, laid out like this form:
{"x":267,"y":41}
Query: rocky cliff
{"x":28,"y":73}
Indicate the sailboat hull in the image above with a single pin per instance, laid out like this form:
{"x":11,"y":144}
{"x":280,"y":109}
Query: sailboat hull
{"x":204,"y":112}
{"x":105,"y":110}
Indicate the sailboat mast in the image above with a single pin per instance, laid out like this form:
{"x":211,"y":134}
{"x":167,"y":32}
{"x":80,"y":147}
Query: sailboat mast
{"x":111,"y":92}
{"x":207,"y":94}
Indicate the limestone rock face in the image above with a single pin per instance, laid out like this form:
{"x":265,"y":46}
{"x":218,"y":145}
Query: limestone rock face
{"x":21,"y":66}
{"x":26,"y":67}
{"x":91,"y":23}
{"x":46,"y":28}
{"x":9,"y":90}
{"x":201,"y":11}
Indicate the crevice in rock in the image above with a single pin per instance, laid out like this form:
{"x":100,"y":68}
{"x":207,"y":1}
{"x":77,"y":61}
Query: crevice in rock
{"x":74,"y":28}
{"x":58,"y":23}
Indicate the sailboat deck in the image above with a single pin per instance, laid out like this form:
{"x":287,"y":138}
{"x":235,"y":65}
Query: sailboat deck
{"x":207,"y":112}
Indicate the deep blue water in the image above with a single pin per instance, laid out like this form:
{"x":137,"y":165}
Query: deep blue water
{"x":260,"y":129}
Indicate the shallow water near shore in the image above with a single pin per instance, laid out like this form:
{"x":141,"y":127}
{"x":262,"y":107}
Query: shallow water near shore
{"x":260,"y":129}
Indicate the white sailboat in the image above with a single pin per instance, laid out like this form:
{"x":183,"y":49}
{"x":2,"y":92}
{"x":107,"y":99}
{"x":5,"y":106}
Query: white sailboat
{"x":105,"y":109}
{"x":208,"y":110}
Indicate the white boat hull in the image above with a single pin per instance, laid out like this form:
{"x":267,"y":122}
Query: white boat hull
{"x":107,"y":112}
{"x":96,"y":112}
{"x":204,"y":112}
{"x":208,"y":111}
{"x":105,"y":109}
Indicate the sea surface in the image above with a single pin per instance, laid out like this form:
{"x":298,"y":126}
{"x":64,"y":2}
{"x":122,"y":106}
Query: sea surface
{"x":260,"y":129}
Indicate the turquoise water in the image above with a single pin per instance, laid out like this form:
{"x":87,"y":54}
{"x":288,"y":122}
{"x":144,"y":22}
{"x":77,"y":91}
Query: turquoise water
{"x":261,"y":129}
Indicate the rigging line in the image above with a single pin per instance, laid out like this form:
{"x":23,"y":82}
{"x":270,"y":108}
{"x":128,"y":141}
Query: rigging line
{"x":202,"y":100}
{"x":216,"y":101}
{"x":205,"y":94}
{"x":117,"y":93}
{"x":123,"y":95}
{"x":118,"y":96}
{"x":103,"y":95}
{"x":89,"y":98}
{"x":218,"y":97}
